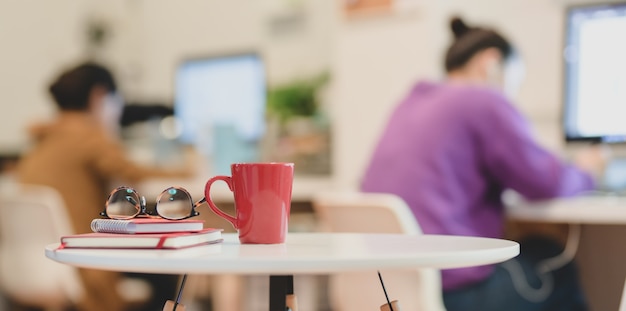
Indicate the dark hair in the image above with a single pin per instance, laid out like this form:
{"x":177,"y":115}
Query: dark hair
{"x":470,"y":40}
{"x":72,"y":88}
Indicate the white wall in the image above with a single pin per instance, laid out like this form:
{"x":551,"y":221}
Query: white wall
{"x":375,"y":61}
{"x":168,"y":32}
{"x":159,"y":34}
{"x":33,"y":42}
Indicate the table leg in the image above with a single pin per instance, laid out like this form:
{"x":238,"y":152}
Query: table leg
{"x":280,"y":287}
{"x":176,"y":306}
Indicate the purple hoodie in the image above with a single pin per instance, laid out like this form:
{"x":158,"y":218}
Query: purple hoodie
{"x":450,"y":150}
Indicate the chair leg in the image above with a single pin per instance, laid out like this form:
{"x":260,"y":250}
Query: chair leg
{"x":226,"y":292}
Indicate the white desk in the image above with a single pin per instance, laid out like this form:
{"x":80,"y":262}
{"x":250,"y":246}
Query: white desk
{"x":599,"y":251}
{"x":310,"y":253}
{"x":606,"y":210}
{"x":575,"y":211}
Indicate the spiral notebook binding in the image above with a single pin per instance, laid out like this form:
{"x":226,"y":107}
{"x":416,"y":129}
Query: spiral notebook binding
{"x":109,"y":225}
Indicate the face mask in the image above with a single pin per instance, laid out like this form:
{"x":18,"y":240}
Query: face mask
{"x":111,"y":112}
{"x":514,"y":72}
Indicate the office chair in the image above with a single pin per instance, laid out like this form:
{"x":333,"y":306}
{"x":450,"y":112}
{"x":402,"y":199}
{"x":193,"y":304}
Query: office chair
{"x":418,"y":289}
{"x":32,"y":216}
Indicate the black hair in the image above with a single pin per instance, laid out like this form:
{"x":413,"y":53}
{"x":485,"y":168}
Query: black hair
{"x":470,"y":40}
{"x":72,"y":88}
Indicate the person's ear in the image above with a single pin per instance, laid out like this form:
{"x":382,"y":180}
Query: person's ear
{"x":491,"y":61}
{"x":489,"y":66}
{"x":96,"y":96}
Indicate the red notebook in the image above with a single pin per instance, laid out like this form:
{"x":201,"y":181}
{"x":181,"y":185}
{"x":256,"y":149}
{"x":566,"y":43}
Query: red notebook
{"x":145,"y":240}
{"x":145,"y":225}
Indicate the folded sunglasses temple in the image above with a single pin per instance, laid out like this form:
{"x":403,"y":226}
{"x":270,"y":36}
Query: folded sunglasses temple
{"x":196,"y":213}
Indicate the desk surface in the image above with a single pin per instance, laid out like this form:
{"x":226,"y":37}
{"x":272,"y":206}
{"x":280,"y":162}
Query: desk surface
{"x":307,"y":253}
{"x":577,"y":210}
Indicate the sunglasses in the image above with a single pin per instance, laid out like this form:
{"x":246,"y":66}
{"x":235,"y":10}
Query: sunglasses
{"x":173,"y":203}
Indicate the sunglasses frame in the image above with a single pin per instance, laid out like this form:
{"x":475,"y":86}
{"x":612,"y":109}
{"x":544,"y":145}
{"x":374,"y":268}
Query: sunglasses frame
{"x":142,"y":206}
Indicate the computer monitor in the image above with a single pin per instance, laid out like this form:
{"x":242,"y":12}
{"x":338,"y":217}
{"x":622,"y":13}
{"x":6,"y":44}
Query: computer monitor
{"x":220,"y":103}
{"x":595,"y":73}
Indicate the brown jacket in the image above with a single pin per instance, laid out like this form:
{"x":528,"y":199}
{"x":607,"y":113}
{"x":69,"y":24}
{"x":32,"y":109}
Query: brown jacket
{"x":77,"y":157}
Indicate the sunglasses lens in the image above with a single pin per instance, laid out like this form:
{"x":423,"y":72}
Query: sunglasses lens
{"x":174,"y":203}
{"x":123,"y":204}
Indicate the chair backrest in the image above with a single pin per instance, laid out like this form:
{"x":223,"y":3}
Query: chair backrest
{"x":32,"y":216}
{"x":418,"y":289}
{"x":365,"y":213}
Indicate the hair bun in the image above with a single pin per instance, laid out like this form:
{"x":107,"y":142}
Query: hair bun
{"x":458,"y":26}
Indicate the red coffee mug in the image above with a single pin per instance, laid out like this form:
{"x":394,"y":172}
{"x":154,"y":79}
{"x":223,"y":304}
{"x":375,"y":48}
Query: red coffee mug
{"x":262,"y":200}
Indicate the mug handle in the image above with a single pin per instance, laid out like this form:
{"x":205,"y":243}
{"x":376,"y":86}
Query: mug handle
{"x":207,"y":194}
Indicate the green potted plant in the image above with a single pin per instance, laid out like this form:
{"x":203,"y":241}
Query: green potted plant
{"x":296,"y":101}
{"x":300,"y":129}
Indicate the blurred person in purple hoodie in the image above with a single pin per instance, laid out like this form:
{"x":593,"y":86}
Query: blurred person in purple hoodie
{"x":452,"y":147}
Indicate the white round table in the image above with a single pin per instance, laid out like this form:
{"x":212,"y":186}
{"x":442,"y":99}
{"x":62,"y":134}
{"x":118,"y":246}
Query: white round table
{"x":310,"y":253}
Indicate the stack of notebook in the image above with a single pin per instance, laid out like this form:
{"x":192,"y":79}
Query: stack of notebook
{"x":146,"y":233}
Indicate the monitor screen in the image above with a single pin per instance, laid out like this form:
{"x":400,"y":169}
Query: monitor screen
{"x":220,"y":99}
{"x":595,"y":73}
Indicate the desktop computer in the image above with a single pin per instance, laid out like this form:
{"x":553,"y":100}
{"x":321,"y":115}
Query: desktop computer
{"x":220,"y":104}
{"x":595,"y":73}
{"x":594,"y":99}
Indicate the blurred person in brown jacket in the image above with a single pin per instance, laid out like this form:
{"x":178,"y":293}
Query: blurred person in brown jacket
{"x":79,"y":155}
